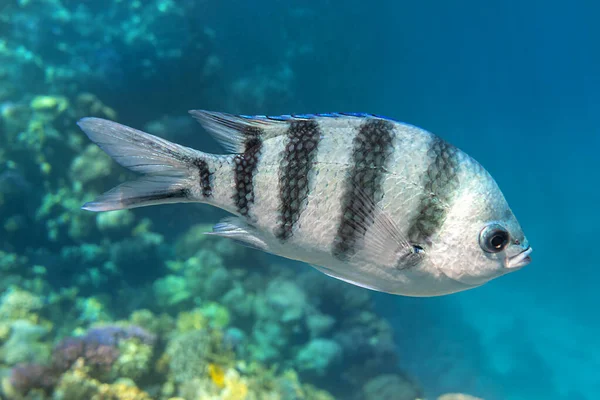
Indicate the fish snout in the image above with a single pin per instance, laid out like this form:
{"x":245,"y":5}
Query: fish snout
{"x":519,"y":260}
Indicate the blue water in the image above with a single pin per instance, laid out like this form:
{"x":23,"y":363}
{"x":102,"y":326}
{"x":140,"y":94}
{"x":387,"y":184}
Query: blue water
{"x":514,"y":84}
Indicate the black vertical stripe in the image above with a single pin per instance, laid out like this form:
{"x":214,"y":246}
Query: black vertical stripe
{"x":204,"y":177}
{"x":372,"y":147}
{"x":303,"y":137}
{"x":244,"y":169}
{"x":441,"y":184}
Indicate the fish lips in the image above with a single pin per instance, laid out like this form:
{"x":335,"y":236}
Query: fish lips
{"x":520,"y":260}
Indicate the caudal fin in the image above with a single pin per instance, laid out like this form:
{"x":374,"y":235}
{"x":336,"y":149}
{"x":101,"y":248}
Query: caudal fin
{"x":167,"y":167}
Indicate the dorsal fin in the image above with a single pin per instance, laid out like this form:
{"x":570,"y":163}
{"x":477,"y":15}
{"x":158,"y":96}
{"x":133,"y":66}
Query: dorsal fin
{"x":233,"y":131}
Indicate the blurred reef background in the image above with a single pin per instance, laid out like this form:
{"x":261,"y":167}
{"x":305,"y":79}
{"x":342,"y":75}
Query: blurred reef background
{"x":138,"y":304}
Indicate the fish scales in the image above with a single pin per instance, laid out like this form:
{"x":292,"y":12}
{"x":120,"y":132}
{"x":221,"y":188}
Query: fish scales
{"x":441,"y":178}
{"x":296,"y":174}
{"x":368,"y":200}
{"x":205,"y":177}
{"x":244,"y":170}
{"x":318,"y":223}
{"x":372,"y":147}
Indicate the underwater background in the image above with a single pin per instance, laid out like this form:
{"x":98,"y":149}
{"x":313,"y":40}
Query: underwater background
{"x":140,"y":305}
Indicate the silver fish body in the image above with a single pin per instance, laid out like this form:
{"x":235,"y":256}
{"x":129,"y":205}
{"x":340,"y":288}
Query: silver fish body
{"x":374,"y":202}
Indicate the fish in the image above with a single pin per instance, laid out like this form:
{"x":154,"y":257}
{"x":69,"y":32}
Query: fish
{"x":366,"y":199}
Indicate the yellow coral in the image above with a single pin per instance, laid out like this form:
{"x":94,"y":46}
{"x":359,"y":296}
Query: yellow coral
{"x":134,"y":359}
{"x":190,"y":321}
{"x":76,"y":384}
{"x":120,"y":391}
{"x":217,"y":375}
{"x":236,"y":387}
{"x":56,"y":104}
{"x":16,"y":303}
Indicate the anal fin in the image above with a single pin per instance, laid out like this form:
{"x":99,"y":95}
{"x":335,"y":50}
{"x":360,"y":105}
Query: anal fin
{"x":236,"y":229}
{"x":347,"y":278}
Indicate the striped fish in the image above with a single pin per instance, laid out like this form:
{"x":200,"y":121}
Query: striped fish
{"x":365,"y":199}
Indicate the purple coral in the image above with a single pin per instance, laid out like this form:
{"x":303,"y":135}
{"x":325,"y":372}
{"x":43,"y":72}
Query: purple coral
{"x":111,"y":335}
{"x":98,"y":348}
{"x":25,"y":377}
{"x":98,"y":356}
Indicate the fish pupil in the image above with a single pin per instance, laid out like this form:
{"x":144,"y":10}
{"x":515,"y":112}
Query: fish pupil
{"x":498,"y":240}
{"x":494,"y":238}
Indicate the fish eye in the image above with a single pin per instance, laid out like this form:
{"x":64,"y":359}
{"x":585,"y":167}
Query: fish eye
{"x":493,"y":238}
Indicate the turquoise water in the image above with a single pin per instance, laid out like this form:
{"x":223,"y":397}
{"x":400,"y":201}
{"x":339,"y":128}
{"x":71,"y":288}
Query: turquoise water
{"x":514,"y":84}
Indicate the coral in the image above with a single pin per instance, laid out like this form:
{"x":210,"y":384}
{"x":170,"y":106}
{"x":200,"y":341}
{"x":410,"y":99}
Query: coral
{"x":239,"y":302}
{"x":289,"y":387}
{"x":234,"y":386}
{"x":52,"y":105}
{"x":145,"y":248}
{"x":220,"y":385}
{"x":457,"y":396}
{"x":190,"y":354}
{"x":190,"y":321}
{"x":19,"y":304}
{"x":24,"y":344}
{"x":120,"y":391}
{"x":100,"y":348}
{"x":390,"y":387}
{"x":159,"y":325}
{"x":76,"y":384}
{"x":219,"y":282}
{"x":319,"y":356}
{"x":126,"y":351}
{"x":88,"y":103}
{"x":194,"y":239}
{"x":198,"y":269}
{"x":261,"y":84}
{"x":367,"y":340}
{"x":286,"y":300}
{"x":91,"y":310}
{"x":92,"y":164}
{"x":333,"y":296}
{"x":113,"y":334}
{"x":27,"y":377}
{"x":99,"y":358}
{"x":194,"y":243}
{"x":313,"y":393}
{"x":268,"y":340}
{"x":59,"y":210}
{"x":113,"y":221}
{"x":134,"y":359}
{"x":216,"y":315}
{"x":10,"y":262}
{"x":171,"y":291}
{"x":319,"y":324}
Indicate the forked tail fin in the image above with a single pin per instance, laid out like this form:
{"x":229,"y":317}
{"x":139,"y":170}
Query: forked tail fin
{"x":168,"y":169}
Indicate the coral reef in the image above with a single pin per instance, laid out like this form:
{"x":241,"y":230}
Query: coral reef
{"x":457,"y":396}
{"x":390,"y":387}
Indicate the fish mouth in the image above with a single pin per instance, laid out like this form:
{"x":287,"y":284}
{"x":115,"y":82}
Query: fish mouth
{"x":519,"y":260}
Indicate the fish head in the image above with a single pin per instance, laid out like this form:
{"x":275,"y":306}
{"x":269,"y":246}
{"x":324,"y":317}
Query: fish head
{"x":480,"y":239}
